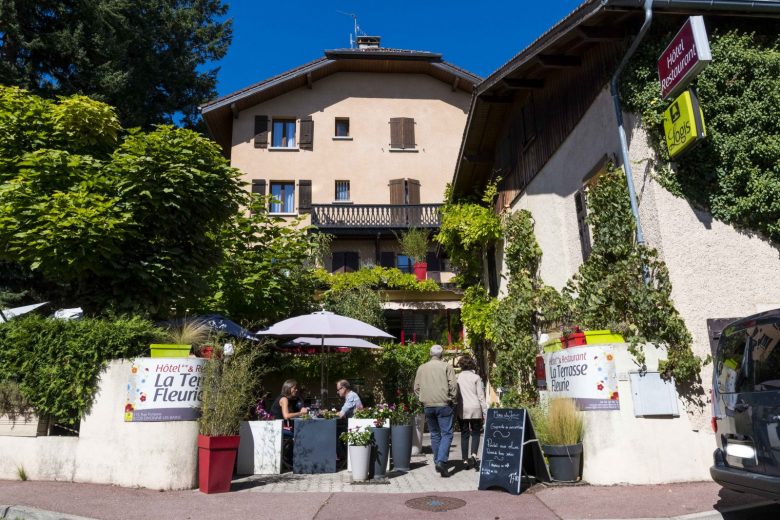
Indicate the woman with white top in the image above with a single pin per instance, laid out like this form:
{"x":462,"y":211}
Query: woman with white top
{"x":471,"y":409}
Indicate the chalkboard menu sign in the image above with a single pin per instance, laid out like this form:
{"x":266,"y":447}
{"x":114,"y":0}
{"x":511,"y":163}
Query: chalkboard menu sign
{"x":511,"y":454}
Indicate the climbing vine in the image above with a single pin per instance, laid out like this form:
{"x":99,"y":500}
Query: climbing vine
{"x":624,"y":286}
{"x":468,"y":228}
{"x":735,"y":172}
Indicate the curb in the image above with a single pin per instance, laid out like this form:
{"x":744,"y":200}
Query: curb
{"x":711,"y":514}
{"x":29,"y":513}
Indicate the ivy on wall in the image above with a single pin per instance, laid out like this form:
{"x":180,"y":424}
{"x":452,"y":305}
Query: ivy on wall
{"x":735,"y":172}
{"x":375,"y":278}
{"x":623,"y":286}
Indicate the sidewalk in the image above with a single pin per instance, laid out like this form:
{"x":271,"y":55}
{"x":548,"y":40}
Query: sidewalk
{"x":419,"y":493}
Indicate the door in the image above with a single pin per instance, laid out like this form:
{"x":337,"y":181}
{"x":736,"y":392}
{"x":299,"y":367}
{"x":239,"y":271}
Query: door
{"x":764,"y":398}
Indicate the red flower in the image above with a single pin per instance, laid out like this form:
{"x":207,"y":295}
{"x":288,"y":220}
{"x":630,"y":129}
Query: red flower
{"x":128,"y":407}
{"x":614,"y":396}
{"x":143,"y":398}
{"x":600,"y":386}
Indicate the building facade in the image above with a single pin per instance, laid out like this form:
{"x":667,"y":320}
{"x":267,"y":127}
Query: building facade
{"x":546,"y":123}
{"x":361,"y":142}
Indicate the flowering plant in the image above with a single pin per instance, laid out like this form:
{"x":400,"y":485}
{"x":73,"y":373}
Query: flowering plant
{"x":380,"y":413}
{"x":329,"y":414}
{"x":261,"y":413}
{"x":401,"y":414}
{"x":357,"y":436}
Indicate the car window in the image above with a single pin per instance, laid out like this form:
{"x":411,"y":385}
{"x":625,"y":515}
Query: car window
{"x":765,"y":358}
{"x":730,"y":363}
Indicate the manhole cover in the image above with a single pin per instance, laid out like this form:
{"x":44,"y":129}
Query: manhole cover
{"x":435,"y":504}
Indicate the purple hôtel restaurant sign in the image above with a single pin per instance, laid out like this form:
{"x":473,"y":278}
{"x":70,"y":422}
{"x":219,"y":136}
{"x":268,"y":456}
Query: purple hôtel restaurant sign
{"x":684,"y":57}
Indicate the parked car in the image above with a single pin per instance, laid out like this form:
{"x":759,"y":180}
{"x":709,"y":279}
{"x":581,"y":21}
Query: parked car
{"x":746,"y":406}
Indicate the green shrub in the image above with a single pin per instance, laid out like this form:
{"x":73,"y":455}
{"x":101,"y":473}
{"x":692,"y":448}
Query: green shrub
{"x":57,"y":363}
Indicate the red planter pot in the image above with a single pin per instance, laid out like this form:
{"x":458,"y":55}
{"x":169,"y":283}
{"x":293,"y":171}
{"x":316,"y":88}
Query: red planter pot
{"x":421,"y":271}
{"x":575,"y":339}
{"x":216,"y":458}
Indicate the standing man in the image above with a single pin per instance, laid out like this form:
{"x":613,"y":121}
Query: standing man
{"x":351,"y":399}
{"x":435,"y":386}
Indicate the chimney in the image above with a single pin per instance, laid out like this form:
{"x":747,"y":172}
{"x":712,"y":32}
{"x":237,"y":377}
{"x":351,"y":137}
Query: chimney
{"x":368,"y":42}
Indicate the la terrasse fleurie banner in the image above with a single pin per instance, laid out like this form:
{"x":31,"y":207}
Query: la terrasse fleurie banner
{"x":164,"y":389}
{"x":585,"y":374}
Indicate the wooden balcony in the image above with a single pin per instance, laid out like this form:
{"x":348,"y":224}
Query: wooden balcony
{"x":364,"y":217}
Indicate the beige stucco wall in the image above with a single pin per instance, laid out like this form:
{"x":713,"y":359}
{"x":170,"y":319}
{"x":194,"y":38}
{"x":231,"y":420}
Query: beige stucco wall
{"x":716,"y":271}
{"x":155,"y":455}
{"x":369,"y":101}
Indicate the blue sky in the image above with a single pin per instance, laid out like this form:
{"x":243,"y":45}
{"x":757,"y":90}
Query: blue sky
{"x":271,"y":37}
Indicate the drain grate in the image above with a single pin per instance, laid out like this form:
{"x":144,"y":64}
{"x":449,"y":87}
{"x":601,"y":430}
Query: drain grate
{"x":435,"y":504}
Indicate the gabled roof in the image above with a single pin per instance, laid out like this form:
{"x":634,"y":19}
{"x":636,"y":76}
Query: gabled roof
{"x":592,"y":23}
{"x":219,"y":113}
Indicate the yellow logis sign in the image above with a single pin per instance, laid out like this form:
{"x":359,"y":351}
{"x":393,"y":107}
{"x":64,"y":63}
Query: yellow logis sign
{"x":683,"y":123}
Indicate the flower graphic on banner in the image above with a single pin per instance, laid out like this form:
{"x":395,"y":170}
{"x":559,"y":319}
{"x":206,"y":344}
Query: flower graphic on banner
{"x":134,"y":370}
{"x":129,"y":407}
{"x":610,"y":357}
{"x":614,"y":396}
{"x":600,"y":386}
{"x":143,"y":397}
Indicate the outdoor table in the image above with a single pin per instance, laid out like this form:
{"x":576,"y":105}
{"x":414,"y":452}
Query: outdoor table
{"x":315,"y":446}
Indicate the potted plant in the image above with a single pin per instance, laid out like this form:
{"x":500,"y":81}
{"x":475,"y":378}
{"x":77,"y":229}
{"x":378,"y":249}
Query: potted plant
{"x":260,"y":448}
{"x":414,"y":244}
{"x":401,"y":436}
{"x":181,"y":338}
{"x":363,"y":418}
{"x":561,"y":436}
{"x":359,"y":441}
{"x":381,"y":451}
{"x":227,"y":393}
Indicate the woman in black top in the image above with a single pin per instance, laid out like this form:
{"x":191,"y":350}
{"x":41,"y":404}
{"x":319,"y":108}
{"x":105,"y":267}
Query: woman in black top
{"x":288,"y":405}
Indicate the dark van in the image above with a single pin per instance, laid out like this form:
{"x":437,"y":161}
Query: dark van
{"x":746,"y":406}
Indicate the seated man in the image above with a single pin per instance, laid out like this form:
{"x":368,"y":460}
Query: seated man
{"x":351,"y":399}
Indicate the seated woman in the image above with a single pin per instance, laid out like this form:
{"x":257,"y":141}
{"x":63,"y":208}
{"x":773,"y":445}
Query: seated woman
{"x":288,"y":405}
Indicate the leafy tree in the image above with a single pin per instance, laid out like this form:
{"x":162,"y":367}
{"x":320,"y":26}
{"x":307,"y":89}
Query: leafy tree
{"x":131,"y":224}
{"x":144,"y":57}
{"x":266,"y":272}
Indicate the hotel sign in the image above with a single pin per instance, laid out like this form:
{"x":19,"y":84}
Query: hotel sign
{"x":684,"y":57}
{"x":683,"y":123}
{"x":164,"y":389}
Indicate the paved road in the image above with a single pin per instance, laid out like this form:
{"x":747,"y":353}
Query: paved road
{"x":332,"y":496}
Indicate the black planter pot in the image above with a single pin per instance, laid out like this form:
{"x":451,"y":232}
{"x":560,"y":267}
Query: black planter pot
{"x":380,"y":452}
{"x":564,"y":461}
{"x":401,"y":445}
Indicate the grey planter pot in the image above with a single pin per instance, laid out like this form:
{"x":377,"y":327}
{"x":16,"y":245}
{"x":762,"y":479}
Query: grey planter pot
{"x":380,"y":452}
{"x":564,"y":461}
{"x":401,"y":445}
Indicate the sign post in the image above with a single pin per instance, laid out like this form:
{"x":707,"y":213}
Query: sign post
{"x":686,"y":56}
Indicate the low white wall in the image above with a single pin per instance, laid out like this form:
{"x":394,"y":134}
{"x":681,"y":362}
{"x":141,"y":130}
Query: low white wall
{"x":156,"y":455}
{"x":622,"y":449}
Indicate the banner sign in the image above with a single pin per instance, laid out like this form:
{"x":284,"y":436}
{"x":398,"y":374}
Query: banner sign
{"x":164,"y":389}
{"x":685,"y":57}
{"x":683,"y":123}
{"x":585,"y":374}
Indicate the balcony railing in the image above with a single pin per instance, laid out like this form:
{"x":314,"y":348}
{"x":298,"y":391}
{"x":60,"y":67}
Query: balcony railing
{"x":375,"y":216}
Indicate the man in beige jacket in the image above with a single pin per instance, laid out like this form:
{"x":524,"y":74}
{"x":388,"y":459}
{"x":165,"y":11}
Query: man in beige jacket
{"x":435,"y":386}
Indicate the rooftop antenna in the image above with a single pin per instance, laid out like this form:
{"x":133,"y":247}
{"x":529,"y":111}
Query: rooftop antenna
{"x":352,"y":36}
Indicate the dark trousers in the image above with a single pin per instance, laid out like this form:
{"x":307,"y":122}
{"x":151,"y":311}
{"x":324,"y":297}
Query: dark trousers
{"x":469,"y":429}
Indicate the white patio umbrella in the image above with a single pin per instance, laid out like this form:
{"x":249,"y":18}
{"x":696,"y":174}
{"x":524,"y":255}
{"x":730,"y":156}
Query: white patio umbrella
{"x":330,"y":343}
{"x":7,"y":314}
{"x":322,"y":325}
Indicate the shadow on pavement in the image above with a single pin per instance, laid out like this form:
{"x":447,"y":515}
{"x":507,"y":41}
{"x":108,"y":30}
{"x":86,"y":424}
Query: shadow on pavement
{"x":733,"y":505}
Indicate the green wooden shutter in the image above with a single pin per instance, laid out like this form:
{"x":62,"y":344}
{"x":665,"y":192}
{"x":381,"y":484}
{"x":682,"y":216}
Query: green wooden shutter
{"x":396,"y":132}
{"x":261,"y":131}
{"x":258,"y":186}
{"x":306,"y":141}
{"x":407,"y":126}
{"x":304,"y":197}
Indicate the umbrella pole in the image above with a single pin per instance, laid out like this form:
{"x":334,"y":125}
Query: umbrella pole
{"x":323,"y":390}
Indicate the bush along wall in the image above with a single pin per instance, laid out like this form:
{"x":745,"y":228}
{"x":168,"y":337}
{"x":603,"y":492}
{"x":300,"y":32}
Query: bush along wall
{"x":735,"y":172}
{"x":57,"y":363}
